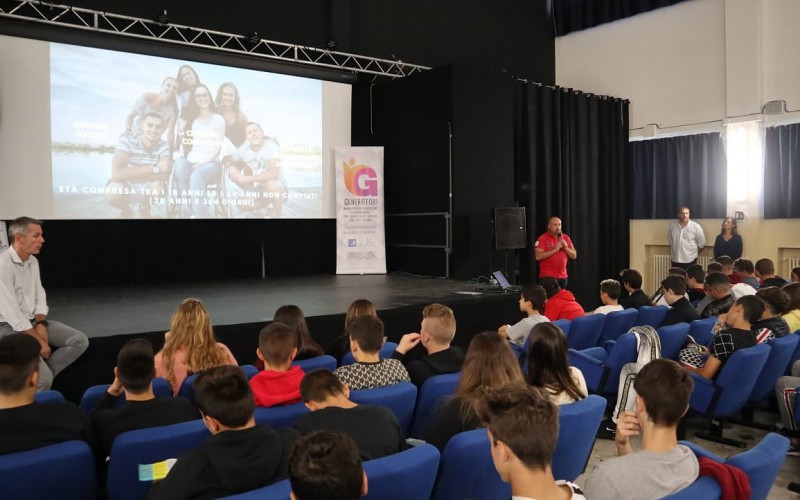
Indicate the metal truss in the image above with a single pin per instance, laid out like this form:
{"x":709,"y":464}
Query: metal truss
{"x":102,"y":22}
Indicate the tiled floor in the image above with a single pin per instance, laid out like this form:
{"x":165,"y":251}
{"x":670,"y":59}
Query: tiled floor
{"x":604,"y":449}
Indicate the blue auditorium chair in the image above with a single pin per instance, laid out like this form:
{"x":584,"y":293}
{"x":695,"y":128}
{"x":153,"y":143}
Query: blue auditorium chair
{"x":577,"y":427}
{"x":430,"y":397}
{"x":601,"y":367}
{"x":65,"y":471}
{"x":187,"y":388}
{"x":780,"y":351}
{"x":795,"y":356}
{"x":672,"y":338}
{"x":761,"y":463}
{"x":584,"y":331}
{"x":250,"y":371}
{"x":564,"y":324}
{"x":280,"y":416}
{"x":386,"y":352}
{"x":651,"y":316}
{"x":467,"y":470}
{"x":275,"y":491}
{"x":408,"y":474}
{"x":617,"y":323}
{"x":148,"y":446}
{"x":92,"y":395}
{"x":400,"y":398}
{"x":324,"y":361}
{"x":702,"y":330}
{"x":49,"y":397}
{"x":726,"y":396}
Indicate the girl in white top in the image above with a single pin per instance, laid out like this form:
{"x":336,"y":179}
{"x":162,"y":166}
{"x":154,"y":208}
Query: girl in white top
{"x":548,"y":365}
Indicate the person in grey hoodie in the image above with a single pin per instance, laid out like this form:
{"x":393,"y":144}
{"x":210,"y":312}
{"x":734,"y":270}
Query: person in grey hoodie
{"x":239,"y":456}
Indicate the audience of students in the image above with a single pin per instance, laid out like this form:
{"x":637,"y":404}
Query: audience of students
{"x":718,"y":291}
{"x":548,"y":365}
{"x":695,"y":277}
{"x":658,"y":298}
{"x":239,"y":456}
{"x":531,"y":302}
{"x":436,"y":356}
{"x":190,"y":346}
{"x":746,"y":271}
{"x":610,"y":291}
{"x":279,"y":382}
{"x":680,"y":311}
{"x":25,"y":424}
{"x":632,"y":282}
{"x":133,"y":376}
{"x":359,"y":307}
{"x":375,"y":429}
{"x":522,"y":426}
{"x":662,"y":466}
{"x":561,"y":304}
{"x":325,"y":465}
{"x":369,"y":371}
{"x":489,"y":363}
{"x":772,"y":325}
{"x":293,"y":317}
{"x":729,"y":270}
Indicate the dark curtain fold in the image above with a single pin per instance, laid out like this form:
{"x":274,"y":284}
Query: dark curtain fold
{"x":577,"y":15}
{"x":572,"y":162}
{"x":687,"y":171}
{"x":782,"y":172}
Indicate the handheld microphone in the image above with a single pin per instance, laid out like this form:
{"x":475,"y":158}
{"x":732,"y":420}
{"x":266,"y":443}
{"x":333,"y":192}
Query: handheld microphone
{"x":559,"y":234}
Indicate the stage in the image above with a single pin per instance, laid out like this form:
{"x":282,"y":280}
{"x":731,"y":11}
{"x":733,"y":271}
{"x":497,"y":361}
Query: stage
{"x":239,"y":309}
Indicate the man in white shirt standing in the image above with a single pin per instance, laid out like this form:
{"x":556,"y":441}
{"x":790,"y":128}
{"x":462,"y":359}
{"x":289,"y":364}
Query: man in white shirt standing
{"x":23,"y":302}
{"x":686,"y":239}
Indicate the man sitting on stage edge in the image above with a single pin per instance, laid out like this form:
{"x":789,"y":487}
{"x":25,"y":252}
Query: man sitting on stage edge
{"x":23,"y":302}
{"x":279,"y":383}
{"x":375,"y":429}
{"x":662,"y":466}
{"x":531,"y":302}
{"x":239,"y":456}
{"x":437,"y":330}
{"x":134,"y":375}
{"x":369,"y":371}
{"x":24,"y":424}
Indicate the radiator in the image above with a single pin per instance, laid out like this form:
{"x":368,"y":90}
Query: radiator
{"x":793,"y":262}
{"x":662,"y":263}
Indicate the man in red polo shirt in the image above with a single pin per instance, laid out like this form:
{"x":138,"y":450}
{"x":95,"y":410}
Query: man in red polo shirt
{"x":552,"y":250}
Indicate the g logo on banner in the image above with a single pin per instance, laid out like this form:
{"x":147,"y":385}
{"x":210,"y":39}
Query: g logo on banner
{"x":360,"y":180}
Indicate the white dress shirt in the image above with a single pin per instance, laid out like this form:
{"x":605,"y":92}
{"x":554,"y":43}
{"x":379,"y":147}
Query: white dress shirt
{"x":21,"y":293}
{"x":685,"y":242}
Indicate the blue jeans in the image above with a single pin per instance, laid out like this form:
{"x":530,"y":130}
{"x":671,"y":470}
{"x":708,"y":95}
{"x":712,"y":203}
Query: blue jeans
{"x":196,"y":177}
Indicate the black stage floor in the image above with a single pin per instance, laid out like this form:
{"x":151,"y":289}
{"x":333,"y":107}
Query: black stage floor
{"x":239,"y":309}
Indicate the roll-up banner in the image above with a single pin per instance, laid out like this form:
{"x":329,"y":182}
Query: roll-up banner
{"x":360,"y":237}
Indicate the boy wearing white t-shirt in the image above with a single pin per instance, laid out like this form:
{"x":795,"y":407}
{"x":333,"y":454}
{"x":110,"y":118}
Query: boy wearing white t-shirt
{"x":531,"y":302}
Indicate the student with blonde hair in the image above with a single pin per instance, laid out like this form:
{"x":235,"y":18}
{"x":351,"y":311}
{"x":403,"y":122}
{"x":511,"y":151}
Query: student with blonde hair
{"x":190,"y":346}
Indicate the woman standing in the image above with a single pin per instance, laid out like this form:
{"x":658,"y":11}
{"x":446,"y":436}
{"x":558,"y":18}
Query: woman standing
{"x":728,"y":241}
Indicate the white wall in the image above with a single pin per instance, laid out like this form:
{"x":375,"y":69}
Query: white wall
{"x":693,"y":62}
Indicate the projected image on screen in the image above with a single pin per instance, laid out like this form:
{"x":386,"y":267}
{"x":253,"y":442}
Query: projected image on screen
{"x":148,"y":137}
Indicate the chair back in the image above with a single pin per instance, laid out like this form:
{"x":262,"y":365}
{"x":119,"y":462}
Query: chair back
{"x":280,"y":416}
{"x":92,"y":395}
{"x":148,"y":446}
{"x":762,"y":463}
{"x":430,"y":397}
{"x":408,"y":474}
{"x":794,"y":358}
{"x":705,"y":487}
{"x":702,"y":330}
{"x":187,"y":388}
{"x":584,"y":332}
{"x":385,"y":352}
{"x":672,"y":338}
{"x":617,"y":323}
{"x":49,"y":396}
{"x":780,"y":352}
{"x":738,"y":378}
{"x":467,"y":470}
{"x":324,"y":361}
{"x":250,"y":371}
{"x":401,"y":398}
{"x":275,"y":491}
{"x":64,"y":470}
{"x":622,"y":352}
{"x":577,"y":426}
{"x":651,"y":316}
{"x":564,"y":324}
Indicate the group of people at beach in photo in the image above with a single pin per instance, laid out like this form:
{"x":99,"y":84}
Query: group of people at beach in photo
{"x":192,"y":151}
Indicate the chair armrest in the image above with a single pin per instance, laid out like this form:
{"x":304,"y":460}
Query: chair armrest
{"x":705,"y":395}
{"x":593,"y":370}
{"x":608,"y":345}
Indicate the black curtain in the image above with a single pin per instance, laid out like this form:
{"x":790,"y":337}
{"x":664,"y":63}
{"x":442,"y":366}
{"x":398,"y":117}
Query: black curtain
{"x":572,"y":161}
{"x":782,"y":172}
{"x":687,"y":171}
{"x":576,"y":15}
